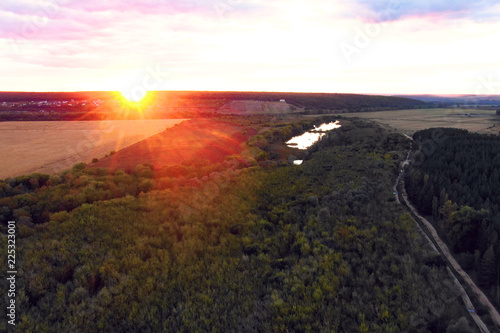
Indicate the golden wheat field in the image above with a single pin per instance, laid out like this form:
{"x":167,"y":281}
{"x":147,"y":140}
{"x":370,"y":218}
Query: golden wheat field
{"x":52,"y":146}
{"x":410,"y":121}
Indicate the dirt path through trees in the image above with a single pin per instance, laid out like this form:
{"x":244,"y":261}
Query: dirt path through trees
{"x":443,"y":249}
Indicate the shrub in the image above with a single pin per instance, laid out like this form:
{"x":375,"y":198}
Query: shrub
{"x":79,"y":166}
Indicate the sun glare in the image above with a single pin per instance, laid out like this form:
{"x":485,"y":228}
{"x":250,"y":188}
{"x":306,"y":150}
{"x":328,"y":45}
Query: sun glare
{"x":135,"y":96}
{"x":133,"y":104}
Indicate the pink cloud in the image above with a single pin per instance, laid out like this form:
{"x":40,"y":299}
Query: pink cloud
{"x":78,"y":20}
{"x":156,"y":7}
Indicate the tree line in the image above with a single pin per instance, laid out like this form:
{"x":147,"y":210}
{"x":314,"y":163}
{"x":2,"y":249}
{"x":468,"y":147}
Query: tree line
{"x":458,"y":184}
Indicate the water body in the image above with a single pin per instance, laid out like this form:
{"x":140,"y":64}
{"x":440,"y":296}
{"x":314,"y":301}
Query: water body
{"x":307,"y":139}
{"x":327,"y":127}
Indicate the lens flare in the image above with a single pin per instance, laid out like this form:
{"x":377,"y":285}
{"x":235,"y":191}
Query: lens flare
{"x":135,"y":96}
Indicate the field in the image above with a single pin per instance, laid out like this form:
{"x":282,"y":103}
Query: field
{"x":410,"y":121}
{"x":200,"y":139}
{"x":49,"y":147}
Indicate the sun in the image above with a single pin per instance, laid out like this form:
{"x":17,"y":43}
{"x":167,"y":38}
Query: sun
{"x":133,"y":103}
{"x":134,"y":96}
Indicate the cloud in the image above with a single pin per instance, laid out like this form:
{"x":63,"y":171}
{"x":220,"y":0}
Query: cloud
{"x":143,"y":7}
{"x":27,"y":7}
{"x":74,"y":19}
{"x":30,"y":7}
{"x":392,"y":10}
{"x":236,"y":44}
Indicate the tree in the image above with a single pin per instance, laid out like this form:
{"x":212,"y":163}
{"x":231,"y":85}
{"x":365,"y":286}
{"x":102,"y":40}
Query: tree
{"x":435,"y":208}
{"x":426,"y":195}
{"x":487,"y":269}
{"x":446,"y":210}
{"x":463,"y":228}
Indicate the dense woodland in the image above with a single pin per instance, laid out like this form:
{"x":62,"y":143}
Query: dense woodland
{"x":253,"y":244}
{"x":457,"y":181}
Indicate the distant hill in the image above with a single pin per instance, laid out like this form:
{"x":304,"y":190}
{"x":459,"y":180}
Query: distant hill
{"x":303,"y":100}
{"x":463,"y":100}
{"x":187,"y":104}
{"x":321,"y":100}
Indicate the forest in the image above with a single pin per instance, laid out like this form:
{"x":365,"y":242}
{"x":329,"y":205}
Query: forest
{"x":253,"y":244}
{"x":457,"y":182}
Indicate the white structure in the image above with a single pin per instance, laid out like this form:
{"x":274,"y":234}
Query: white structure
{"x":282,"y":101}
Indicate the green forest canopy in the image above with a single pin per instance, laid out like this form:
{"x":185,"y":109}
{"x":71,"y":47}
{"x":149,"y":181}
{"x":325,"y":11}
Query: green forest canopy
{"x":259,"y":246}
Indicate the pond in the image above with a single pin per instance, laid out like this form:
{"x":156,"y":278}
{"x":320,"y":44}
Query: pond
{"x":309,"y":138}
{"x":305,"y":140}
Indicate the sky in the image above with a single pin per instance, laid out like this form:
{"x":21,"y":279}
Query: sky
{"x":339,"y":46}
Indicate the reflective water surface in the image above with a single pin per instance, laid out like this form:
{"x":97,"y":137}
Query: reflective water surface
{"x":307,"y":139}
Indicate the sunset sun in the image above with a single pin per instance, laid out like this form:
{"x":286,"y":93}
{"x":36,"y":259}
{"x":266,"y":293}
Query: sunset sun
{"x":134,"y":96}
{"x":132,"y":103}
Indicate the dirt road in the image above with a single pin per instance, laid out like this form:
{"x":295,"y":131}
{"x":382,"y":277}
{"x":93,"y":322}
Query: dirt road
{"x":442,"y":248}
